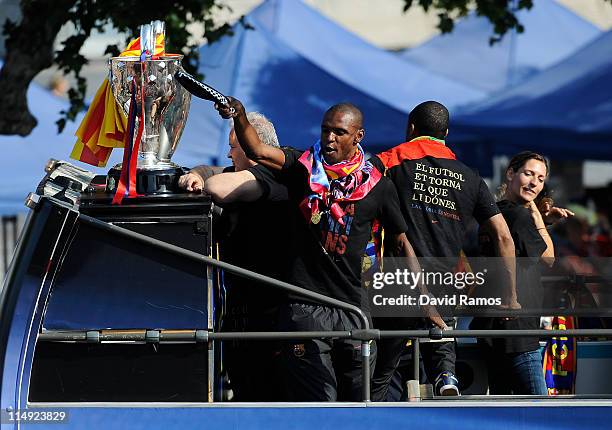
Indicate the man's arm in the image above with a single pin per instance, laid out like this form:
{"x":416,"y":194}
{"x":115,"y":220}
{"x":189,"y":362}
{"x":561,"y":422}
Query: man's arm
{"x":234,"y":187}
{"x":398,"y":245}
{"x":206,"y":172}
{"x":194,"y":180}
{"x":504,"y":247}
{"x":269,"y":156}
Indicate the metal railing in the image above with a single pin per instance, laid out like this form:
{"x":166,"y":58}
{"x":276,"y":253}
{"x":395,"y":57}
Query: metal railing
{"x":9,"y":240}
{"x":364,"y":334}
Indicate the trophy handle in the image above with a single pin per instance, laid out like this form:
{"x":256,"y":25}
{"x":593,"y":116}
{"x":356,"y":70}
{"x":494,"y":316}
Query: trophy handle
{"x":200,"y":89}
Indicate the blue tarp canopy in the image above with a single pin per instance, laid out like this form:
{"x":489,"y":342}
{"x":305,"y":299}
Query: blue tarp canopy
{"x":552,"y":32}
{"x":291,"y":66}
{"x":564,"y":112}
{"x":295,"y":63}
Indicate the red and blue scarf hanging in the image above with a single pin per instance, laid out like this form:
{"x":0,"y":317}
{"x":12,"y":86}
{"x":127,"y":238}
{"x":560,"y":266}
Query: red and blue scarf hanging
{"x":349,"y":180}
{"x":560,"y":359}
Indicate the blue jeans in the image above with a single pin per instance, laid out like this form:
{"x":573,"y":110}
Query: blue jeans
{"x":516,"y":373}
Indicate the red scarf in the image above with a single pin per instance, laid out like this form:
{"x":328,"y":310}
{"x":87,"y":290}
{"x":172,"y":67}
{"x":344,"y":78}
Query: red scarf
{"x":420,"y":147}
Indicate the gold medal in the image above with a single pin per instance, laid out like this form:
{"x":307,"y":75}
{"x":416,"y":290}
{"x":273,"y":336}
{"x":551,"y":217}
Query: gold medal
{"x":316,"y":217}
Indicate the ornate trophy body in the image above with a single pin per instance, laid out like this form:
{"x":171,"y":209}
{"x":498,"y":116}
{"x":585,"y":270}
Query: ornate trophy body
{"x":156,"y":106}
{"x":161,"y":103}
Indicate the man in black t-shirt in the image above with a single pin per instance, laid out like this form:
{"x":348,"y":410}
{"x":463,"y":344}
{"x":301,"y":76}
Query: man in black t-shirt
{"x":243,"y":234}
{"x":336,"y":196}
{"x":439,"y":196}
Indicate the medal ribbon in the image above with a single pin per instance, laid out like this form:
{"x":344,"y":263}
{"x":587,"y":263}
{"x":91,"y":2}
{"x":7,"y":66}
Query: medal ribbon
{"x":127,"y":179}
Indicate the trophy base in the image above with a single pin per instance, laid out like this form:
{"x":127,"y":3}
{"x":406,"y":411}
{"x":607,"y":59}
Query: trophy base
{"x":161,"y":180}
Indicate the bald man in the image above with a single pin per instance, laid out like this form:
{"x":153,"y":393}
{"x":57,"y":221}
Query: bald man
{"x":337,"y":195}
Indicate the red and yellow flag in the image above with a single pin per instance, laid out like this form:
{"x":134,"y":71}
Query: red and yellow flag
{"x":104,"y":126}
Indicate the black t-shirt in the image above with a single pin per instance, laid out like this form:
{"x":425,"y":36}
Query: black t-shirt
{"x":249,"y":237}
{"x":439,"y":196}
{"x":326,"y":257}
{"x":529,"y":247}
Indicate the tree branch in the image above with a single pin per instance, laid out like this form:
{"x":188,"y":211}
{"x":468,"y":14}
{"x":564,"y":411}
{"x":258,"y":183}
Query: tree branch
{"x":29,"y":50}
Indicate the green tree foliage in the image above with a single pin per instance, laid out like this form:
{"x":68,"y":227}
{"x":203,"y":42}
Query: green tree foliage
{"x":29,"y":44}
{"x":501,"y":13}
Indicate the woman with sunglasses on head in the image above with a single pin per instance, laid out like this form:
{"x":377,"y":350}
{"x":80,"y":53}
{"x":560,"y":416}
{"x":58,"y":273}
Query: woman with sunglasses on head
{"x":514,"y":364}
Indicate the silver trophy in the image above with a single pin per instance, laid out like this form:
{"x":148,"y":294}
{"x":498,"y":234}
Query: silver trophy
{"x":161,"y":103}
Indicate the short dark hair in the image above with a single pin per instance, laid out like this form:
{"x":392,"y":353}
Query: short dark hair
{"x":429,"y":119}
{"x":347,"y":108}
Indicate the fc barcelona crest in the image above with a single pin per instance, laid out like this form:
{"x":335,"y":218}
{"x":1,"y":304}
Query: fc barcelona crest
{"x":299,"y":350}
